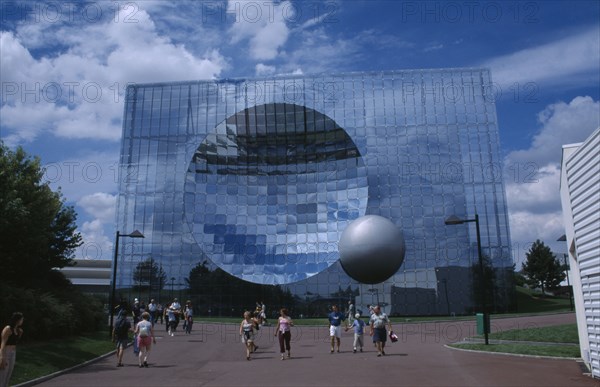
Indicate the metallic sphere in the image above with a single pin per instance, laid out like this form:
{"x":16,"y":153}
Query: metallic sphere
{"x":371,"y":249}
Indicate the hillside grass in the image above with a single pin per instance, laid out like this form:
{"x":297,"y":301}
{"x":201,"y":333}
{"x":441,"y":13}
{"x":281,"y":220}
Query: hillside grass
{"x":529,"y":301}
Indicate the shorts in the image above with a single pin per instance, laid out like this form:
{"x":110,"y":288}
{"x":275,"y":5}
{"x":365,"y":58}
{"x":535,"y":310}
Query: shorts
{"x":144,"y":341}
{"x":122,"y":343}
{"x":335,"y":331}
{"x":248,"y":337}
{"x":379,"y":334}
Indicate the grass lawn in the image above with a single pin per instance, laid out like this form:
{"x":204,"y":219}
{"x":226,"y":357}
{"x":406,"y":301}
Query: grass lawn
{"x":529,"y":301}
{"x":555,"y":334}
{"x":36,"y":359}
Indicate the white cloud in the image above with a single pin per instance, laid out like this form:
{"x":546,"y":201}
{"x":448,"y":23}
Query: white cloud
{"x":535,"y":190}
{"x":262,"y":24}
{"x":433,"y":47}
{"x":526,"y":228}
{"x":96,"y":245}
{"x":532,"y":175}
{"x":78,"y":92}
{"x":320,"y":51}
{"x":100,"y":205}
{"x":264,"y":70}
{"x":561,"y":123}
{"x":558,"y":62}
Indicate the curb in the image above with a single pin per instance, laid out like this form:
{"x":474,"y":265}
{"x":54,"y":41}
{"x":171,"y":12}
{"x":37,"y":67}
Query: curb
{"x":41,"y":379}
{"x":474,"y":340}
{"x":514,"y":354}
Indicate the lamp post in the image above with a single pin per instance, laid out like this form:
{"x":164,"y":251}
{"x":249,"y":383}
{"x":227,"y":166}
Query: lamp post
{"x":454,"y":220}
{"x":563,"y":238}
{"x":135,"y":234}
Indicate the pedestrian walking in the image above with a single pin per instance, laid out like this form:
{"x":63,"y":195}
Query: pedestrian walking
{"x":120,"y":335}
{"x":378,"y":322}
{"x":188,"y":315}
{"x":159,"y":313}
{"x":145,"y":337}
{"x":247,"y":329}
{"x":350,"y":312}
{"x":263,"y":313}
{"x":171,"y":321}
{"x":282,"y":331}
{"x":176,"y":308}
{"x":359,"y":329}
{"x":335,"y":326}
{"x":152,"y":309}
{"x":136,"y":312}
{"x":11,"y":334}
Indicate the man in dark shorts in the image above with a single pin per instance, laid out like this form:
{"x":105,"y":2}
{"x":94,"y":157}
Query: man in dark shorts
{"x":378,"y":321}
{"x":120,"y":335}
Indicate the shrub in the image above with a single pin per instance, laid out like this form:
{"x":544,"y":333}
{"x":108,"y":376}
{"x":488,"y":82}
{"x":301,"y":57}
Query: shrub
{"x":52,"y":314}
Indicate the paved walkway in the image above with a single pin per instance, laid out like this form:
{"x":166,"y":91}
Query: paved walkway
{"x":214,"y":356}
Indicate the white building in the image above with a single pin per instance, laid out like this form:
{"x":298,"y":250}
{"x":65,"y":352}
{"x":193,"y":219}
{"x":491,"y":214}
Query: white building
{"x":90,"y":275}
{"x":580,"y":197}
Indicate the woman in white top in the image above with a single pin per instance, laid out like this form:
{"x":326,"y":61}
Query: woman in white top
{"x":247,"y":332}
{"x":145,"y":338}
{"x":283,"y":332}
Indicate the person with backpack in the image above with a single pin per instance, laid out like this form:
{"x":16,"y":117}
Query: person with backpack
{"x":145,"y":338}
{"x":136,"y":312}
{"x":120,"y":335}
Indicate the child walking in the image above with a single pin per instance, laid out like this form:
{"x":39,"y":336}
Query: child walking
{"x":359,"y":330}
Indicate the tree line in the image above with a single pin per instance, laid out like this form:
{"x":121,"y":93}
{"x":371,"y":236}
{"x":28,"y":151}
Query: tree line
{"x":38,"y":235}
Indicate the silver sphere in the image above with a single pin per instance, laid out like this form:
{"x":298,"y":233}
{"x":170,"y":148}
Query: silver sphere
{"x":371,"y":249}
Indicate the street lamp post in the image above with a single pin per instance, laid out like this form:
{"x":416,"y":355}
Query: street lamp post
{"x":135,"y":234}
{"x":454,"y":220}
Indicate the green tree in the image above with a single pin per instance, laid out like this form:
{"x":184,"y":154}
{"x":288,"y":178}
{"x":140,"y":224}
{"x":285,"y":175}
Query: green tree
{"x":37,"y":230}
{"x":542,"y":268}
{"x":519,"y":278}
{"x":348,"y":294}
{"x":219,"y":290}
{"x":199,"y":278}
{"x":149,"y":275}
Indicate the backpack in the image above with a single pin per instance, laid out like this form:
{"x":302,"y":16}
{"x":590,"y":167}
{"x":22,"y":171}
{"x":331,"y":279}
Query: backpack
{"x":121,"y":326}
{"x":144,"y":331}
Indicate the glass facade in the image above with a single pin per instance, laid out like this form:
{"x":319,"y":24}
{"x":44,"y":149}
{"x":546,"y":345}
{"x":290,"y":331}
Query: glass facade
{"x":258,"y":179}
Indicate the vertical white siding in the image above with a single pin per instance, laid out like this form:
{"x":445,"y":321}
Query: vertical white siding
{"x":583,"y":180}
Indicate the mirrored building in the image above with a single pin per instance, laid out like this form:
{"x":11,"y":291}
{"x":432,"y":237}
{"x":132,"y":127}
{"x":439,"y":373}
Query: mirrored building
{"x":252,"y":181}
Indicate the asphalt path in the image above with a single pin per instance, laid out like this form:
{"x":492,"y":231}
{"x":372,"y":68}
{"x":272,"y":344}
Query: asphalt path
{"x":213,"y":355}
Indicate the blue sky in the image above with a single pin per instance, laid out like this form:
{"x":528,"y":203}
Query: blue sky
{"x":64,"y":67}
